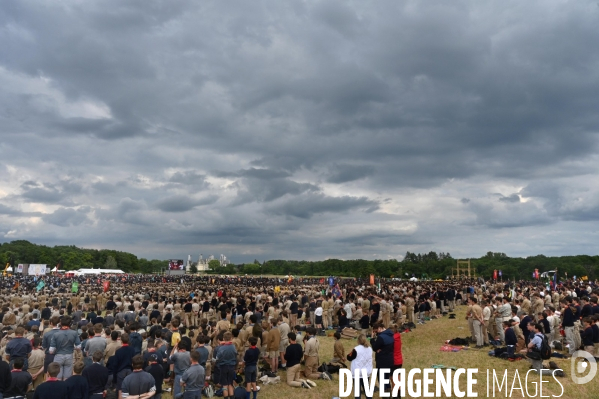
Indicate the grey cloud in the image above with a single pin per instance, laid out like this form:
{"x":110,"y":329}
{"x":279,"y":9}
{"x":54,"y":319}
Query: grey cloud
{"x":346,"y":173}
{"x":181,"y":203}
{"x":65,"y":217}
{"x":47,"y":195}
{"x":510,"y":198}
{"x":306,"y":206}
{"x":300,"y":105}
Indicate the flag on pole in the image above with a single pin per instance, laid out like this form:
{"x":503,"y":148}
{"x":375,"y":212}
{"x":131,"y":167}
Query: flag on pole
{"x":40,"y":285}
{"x":75,"y":287}
{"x":372,"y":279}
{"x":106,"y":285}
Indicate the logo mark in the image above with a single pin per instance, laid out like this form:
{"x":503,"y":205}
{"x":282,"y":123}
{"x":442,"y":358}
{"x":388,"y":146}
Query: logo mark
{"x":581,"y":366}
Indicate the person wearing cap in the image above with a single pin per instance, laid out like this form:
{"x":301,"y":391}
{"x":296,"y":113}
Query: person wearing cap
{"x":157,"y":371}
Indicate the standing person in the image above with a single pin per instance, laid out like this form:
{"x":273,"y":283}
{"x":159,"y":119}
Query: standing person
{"x":138,"y":383}
{"x":324,"y":313}
{"x":383,"y":347}
{"x":477,"y":321}
{"x":96,"y":376}
{"x":121,"y":365}
{"x":361,"y":359}
{"x":568,"y":320}
{"x":181,"y":361}
{"x":77,"y":386}
{"x":284,"y":331}
{"x":226,"y":362}
{"x":36,"y":362}
{"x":193,"y":378}
{"x":5,"y":376}
{"x":318,"y":316}
{"x":18,"y":348}
{"x":63,"y":343}
{"x":94,"y":344}
{"x":273,"y":341}
{"x":250,"y":359}
{"x":293,"y":309}
{"x":21,"y":381}
{"x":53,"y":388}
{"x":397,"y":351}
{"x":157,"y":371}
{"x":47,"y":337}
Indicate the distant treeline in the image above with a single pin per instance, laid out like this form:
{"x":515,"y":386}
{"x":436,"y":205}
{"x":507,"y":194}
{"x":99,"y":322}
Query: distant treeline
{"x":431,"y":265}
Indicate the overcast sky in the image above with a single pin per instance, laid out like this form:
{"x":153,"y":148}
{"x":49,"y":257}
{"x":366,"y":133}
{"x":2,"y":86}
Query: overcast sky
{"x":301,"y":129}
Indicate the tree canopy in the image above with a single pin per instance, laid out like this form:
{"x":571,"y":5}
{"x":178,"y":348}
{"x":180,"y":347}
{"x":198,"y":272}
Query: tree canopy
{"x":431,"y":264}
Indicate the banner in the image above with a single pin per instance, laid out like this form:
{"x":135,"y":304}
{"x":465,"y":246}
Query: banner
{"x":40,"y":285}
{"x":106,"y":285}
{"x":35,"y":270}
{"x":500,"y":273}
{"x":331,"y":281}
{"x":20,"y":268}
{"x":75,"y":287}
{"x":372,"y":279}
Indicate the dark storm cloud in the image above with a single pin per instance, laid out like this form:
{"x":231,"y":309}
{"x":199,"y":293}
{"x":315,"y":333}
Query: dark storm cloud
{"x":236,"y":123}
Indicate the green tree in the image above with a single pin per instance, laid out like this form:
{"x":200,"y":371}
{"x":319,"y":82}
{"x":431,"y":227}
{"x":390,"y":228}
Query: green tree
{"x":193,"y":269}
{"x":110,"y":263}
{"x":214,"y":265}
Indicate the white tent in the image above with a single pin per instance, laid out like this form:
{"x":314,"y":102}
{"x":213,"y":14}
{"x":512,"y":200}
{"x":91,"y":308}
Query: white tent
{"x":55,"y":269}
{"x":83,"y":272}
{"x":413,"y":279}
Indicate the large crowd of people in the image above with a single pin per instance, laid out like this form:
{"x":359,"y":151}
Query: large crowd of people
{"x":139,"y":335}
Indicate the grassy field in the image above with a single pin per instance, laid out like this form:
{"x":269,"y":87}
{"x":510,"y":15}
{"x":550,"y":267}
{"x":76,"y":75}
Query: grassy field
{"x":421,"y":349}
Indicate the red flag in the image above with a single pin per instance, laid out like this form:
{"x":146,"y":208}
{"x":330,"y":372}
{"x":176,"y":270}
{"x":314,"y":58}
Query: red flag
{"x":106,"y":285}
{"x":494,"y":274}
{"x":372,"y":279}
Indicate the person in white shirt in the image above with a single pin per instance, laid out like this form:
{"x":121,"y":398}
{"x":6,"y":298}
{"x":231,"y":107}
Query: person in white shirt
{"x":361,"y":359}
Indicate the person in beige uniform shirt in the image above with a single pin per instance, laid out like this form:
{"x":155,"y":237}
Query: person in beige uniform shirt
{"x":477,"y":321}
{"x":325,"y":313}
{"x":311,"y":354}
